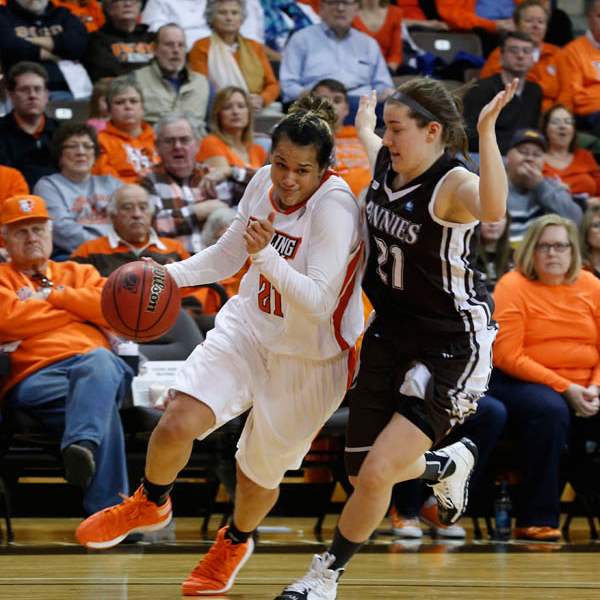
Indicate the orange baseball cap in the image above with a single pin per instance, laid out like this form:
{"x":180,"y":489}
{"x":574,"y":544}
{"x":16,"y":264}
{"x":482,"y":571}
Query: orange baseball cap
{"x":22,"y":208}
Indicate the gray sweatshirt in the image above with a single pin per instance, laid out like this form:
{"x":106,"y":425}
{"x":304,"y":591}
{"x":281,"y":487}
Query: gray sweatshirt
{"x":548,"y":197}
{"x":78,"y":209}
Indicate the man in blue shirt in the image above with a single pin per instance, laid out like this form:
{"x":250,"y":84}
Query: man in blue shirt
{"x":333,"y":50}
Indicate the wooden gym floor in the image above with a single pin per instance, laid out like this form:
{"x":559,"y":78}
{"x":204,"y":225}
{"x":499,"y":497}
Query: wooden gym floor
{"x":44,"y":563}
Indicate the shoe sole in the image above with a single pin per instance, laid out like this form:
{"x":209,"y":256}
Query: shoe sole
{"x":229,"y":583}
{"x":79,"y":465}
{"x":407,"y":536}
{"x":117,"y":540}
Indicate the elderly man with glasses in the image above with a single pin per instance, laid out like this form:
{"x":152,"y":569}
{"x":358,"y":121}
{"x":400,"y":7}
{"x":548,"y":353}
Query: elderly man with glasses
{"x":333,"y":50}
{"x":62,"y":369}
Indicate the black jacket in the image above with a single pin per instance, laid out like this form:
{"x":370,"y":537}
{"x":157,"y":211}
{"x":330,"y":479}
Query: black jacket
{"x":522,"y":112}
{"x":22,"y":151}
{"x":17,"y":24}
{"x":112,"y":52}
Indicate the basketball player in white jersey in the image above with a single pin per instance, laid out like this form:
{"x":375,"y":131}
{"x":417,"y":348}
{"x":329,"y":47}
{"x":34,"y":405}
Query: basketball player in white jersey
{"x":426,"y":357}
{"x":282,"y":347}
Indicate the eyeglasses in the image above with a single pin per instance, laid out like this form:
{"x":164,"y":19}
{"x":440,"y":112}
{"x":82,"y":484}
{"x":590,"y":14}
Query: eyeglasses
{"x":558,"y":247}
{"x":172,"y":141}
{"x":565,"y":121}
{"x":87,"y":146}
{"x":42,"y":281}
{"x":342,"y":3}
{"x":526,"y":50}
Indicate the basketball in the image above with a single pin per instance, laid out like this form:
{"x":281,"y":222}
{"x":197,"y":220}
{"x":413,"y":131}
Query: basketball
{"x":140,"y":301}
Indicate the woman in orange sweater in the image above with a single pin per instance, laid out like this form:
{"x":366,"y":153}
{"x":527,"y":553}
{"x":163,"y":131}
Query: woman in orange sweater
{"x":531,"y":17}
{"x":575,"y":167}
{"x":230,"y":150}
{"x":127,"y":146}
{"x":383,"y":23}
{"x":547,"y":361}
{"x":226,"y":58}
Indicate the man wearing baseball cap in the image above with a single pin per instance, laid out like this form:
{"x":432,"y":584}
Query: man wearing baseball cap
{"x":62,"y":370}
{"x":530,"y":194}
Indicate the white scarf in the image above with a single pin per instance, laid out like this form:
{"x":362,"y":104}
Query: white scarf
{"x":223,"y":69}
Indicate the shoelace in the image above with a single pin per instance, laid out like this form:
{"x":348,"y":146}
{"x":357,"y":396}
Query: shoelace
{"x":313,"y":578}
{"x":211,"y":565}
{"x":442,"y":493}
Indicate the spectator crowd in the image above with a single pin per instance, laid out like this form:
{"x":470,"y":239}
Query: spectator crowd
{"x":131,"y":129}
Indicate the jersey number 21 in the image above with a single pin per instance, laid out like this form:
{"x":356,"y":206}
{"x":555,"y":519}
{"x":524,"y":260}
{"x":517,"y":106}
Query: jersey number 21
{"x":386,"y":254}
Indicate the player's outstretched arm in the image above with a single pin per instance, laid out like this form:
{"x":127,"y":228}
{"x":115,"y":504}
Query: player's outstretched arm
{"x":493,"y":183}
{"x":365,"y":123}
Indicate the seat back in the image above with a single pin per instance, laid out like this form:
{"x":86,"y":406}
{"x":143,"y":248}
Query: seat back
{"x":446,"y":44}
{"x":77,"y":111}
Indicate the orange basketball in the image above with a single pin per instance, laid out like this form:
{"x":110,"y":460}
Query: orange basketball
{"x":140,"y":301}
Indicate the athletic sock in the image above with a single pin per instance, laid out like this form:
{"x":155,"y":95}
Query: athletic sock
{"x":342,"y":550}
{"x":158,"y":494}
{"x":235,"y":535}
{"x":438,"y":466}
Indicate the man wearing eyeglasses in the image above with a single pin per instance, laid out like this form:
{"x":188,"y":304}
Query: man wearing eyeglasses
{"x":530,"y":194}
{"x":62,"y":369}
{"x":523,"y":111}
{"x":333,"y":50}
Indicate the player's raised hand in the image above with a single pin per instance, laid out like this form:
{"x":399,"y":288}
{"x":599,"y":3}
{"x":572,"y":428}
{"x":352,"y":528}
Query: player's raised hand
{"x":489,"y":113}
{"x":259,"y":233}
{"x":366,"y":118}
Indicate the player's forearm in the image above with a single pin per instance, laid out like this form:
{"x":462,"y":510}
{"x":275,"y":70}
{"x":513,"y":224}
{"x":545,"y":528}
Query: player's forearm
{"x":371,"y":143}
{"x":312,"y":296}
{"x":493,"y":183}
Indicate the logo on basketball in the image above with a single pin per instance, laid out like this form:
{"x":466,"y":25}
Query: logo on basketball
{"x":156,"y":289}
{"x":130,"y":283}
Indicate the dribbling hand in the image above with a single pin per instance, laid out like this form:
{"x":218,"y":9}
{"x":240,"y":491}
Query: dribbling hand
{"x":259,"y":233}
{"x":489,"y":113}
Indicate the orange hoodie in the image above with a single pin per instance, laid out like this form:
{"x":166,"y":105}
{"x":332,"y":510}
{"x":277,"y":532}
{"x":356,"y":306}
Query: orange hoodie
{"x":90,"y":12}
{"x":579,"y":76}
{"x":12,"y":183}
{"x":51,"y":330}
{"x":582,"y":175}
{"x":548,"y":334}
{"x":352,"y":162}
{"x":124,"y":157}
{"x":544,"y":72}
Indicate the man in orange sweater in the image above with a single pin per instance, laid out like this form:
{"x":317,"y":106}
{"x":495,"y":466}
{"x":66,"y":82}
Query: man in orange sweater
{"x":62,"y":368}
{"x":579,"y":73}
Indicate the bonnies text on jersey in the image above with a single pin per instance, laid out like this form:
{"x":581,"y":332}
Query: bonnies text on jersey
{"x":392,"y":224}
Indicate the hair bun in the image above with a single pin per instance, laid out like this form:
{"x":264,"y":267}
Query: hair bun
{"x":313,"y":106}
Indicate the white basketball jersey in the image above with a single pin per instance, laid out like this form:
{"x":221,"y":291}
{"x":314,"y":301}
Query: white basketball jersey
{"x":301,"y":295}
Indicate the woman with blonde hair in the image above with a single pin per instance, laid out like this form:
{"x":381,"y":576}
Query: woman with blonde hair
{"x":547,"y":361}
{"x":230,"y":149}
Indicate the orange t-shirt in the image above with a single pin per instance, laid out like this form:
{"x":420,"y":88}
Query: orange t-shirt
{"x":411,"y":9}
{"x":89,"y":12}
{"x":548,"y":334}
{"x":352,"y":162}
{"x":579,"y":76}
{"x":125,"y":157}
{"x":12,"y":183}
{"x":389,"y":37}
{"x":544,"y":72}
{"x":213,"y":146}
{"x":66,"y":324}
{"x":582,"y":175}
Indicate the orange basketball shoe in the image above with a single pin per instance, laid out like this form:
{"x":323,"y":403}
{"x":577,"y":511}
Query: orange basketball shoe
{"x":216,"y":572}
{"x":112,"y":525}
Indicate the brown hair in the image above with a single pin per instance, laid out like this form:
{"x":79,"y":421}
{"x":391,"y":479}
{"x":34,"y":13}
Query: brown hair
{"x":221,"y":98}
{"x":68,"y":130}
{"x":586,"y":250}
{"x":524,"y":254}
{"x":309,"y":122}
{"x":544,"y":125}
{"x":99,"y":90}
{"x":445,"y":106}
{"x":521,"y":8}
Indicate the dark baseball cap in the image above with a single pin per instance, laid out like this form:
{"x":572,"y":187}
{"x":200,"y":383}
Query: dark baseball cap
{"x":529,"y":136}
